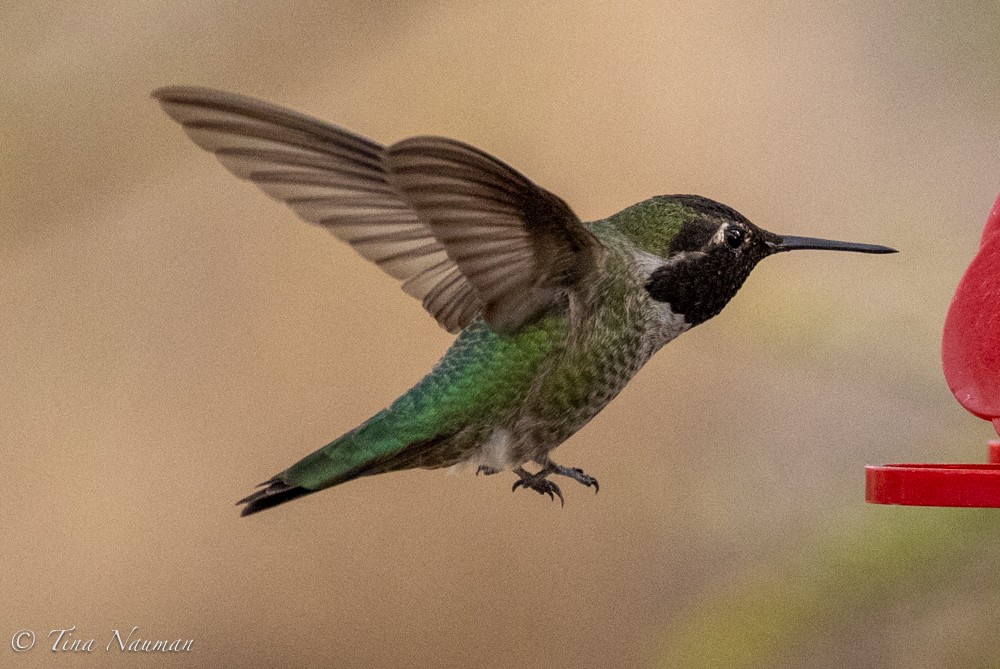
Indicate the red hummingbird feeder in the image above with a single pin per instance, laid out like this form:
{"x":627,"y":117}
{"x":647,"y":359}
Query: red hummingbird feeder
{"x":971,"y":356}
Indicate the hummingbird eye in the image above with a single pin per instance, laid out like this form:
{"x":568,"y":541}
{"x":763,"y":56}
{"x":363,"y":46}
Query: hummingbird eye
{"x":735,"y":236}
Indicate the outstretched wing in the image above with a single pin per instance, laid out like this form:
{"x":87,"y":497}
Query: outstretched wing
{"x":464,"y":232}
{"x":330,"y":177}
{"x":519,"y":245}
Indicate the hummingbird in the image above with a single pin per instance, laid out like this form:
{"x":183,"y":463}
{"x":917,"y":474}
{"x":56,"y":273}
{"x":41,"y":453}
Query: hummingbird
{"x":554,"y":316}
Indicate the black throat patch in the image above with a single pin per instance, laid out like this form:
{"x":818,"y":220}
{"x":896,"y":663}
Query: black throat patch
{"x":699,"y":285}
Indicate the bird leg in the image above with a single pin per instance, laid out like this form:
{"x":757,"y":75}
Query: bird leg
{"x":574,"y":473}
{"x":538,"y":483}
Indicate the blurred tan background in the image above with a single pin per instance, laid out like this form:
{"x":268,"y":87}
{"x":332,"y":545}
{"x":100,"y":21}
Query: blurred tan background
{"x":169,"y":337}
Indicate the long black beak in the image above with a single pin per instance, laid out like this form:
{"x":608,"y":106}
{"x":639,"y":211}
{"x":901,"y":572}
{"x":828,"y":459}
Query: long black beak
{"x":791,"y":243}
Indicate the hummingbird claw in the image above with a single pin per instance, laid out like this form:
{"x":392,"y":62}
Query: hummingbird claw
{"x":486,"y":469}
{"x":576,"y":474}
{"x":541,"y":485}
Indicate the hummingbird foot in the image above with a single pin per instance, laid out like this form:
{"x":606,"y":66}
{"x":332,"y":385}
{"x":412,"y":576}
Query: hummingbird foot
{"x":487,"y":470}
{"x":574,"y":473}
{"x":538,"y":483}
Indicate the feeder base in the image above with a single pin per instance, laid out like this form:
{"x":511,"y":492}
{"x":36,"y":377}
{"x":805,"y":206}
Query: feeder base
{"x":926,"y":484}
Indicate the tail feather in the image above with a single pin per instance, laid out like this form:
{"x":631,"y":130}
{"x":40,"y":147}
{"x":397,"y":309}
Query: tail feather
{"x":315,"y":470}
{"x":277,"y":492}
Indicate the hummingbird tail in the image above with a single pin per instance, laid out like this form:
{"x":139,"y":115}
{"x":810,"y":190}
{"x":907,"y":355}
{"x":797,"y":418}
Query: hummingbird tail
{"x":375,"y":447}
{"x":274,"y":492}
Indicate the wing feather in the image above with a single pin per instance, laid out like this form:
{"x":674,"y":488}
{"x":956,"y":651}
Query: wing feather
{"x":330,"y":177}
{"x":465,"y":233}
{"x":518,"y":245}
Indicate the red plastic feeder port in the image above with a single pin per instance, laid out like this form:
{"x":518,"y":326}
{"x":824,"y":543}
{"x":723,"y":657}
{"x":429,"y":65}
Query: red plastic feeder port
{"x":936,"y":485}
{"x":970,"y":353}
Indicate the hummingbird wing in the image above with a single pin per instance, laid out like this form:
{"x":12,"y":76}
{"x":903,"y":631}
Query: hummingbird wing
{"x":519,"y":245}
{"x":333,"y":178}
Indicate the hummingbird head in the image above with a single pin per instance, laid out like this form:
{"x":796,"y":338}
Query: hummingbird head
{"x":704,"y":251}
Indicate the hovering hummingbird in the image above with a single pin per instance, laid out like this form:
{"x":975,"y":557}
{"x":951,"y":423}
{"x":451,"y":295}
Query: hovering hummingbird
{"x":554,"y":316}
